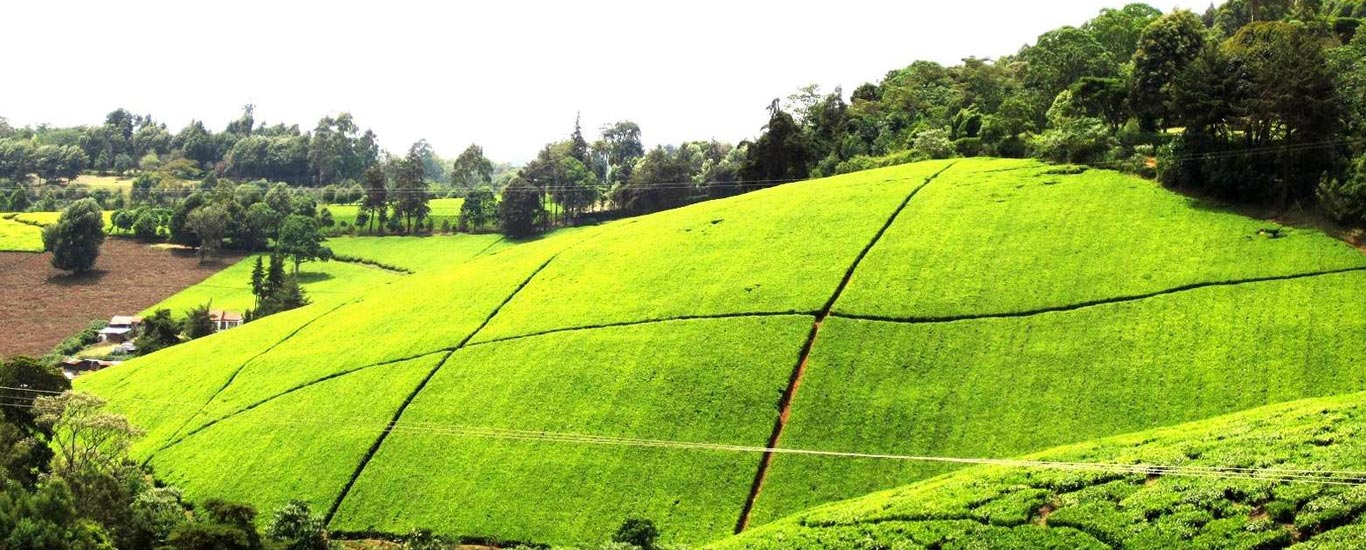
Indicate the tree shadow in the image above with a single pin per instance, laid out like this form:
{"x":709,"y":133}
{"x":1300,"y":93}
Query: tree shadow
{"x":313,"y":277}
{"x":88,"y":278}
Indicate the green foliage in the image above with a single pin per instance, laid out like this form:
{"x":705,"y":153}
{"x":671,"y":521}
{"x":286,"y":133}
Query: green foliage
{"x":471,"y":169}
{"x":1345,"y":199}
{"x":713,"y":380}
{"x":46,"y":518}
{"x":1087,"y":509}
{"x":638,"y":532}
{"x":479,"y":210}
{"x":76,"y":342}
{"x":158,"y":331}
{"x":20,"y":237}
{"x":522,"y":212}
{"x":999,"y":227}
{"x":76,"y":238}
{"x":780,"y":155}
{"x":301,"y":240}
{"x":198,"y":323}
{"x":298,"y":527}
{"x":1165,"y":48}
{"x":1109,"y":305}
{"x":416,"y":254}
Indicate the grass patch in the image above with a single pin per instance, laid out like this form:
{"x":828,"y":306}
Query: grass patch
{"x":325,"y":282}
{"x":416,"y":253}
{"x":351,"y":339}
{"x":783,"y":249}
{"x":311,"y":442}
{"x":1001,"y":387}
{"x":997,"y":507}
{"x":998,"y":242}
{"x":985,"y":387}
{"x":19,"y":237}
{"x":163,"y":391}
{"x":442,"y":210}
{"x":709,"y":380}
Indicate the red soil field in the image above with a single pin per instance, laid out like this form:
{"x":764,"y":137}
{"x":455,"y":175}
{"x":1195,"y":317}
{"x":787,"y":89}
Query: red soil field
{"x":40,"y":306}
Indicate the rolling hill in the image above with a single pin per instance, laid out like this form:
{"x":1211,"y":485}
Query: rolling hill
{"x":1265,"y":501}
{"x":975,"y":307}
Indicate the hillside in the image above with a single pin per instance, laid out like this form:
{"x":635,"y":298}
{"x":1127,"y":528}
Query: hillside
{"x":951,"y":308}
{"x":1244,"y":487}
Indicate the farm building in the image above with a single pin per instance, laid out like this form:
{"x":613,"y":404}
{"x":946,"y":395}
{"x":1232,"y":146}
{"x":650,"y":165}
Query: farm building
{"x":224,"y":319}
{"x":71,"y":368}
{"x":122,"y":328}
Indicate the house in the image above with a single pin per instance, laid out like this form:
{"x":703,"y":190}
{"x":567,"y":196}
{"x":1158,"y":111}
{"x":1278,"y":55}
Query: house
{"x":122,"y":328}
{"x":73,"y":367}
{"x":224,"y":319}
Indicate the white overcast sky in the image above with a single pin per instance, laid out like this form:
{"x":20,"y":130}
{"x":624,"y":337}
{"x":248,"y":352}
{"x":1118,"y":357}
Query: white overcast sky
{"x":509,"y":75}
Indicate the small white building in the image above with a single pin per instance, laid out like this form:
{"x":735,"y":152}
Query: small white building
{"x":224,"y":319}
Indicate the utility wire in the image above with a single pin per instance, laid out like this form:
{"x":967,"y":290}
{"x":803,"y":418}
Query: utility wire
{"x":1321,"y":477}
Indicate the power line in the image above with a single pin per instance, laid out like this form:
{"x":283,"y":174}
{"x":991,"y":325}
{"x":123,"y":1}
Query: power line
{"x":1311,"y":476}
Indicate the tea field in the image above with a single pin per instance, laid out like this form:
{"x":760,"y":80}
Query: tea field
{"x":1031,"y":507}
{"x":978,"y":307}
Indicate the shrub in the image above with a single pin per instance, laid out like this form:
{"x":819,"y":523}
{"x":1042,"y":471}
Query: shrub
{"x":198,"y":323}
{"x":1344,"y":199}
{"x":638,"y":532}
{"x":933,"y":144}
{"x":298,"y":527}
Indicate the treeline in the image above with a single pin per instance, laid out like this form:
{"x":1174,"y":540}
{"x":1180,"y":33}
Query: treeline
{"x":334,"y":151}
{"x":1259,"y":102}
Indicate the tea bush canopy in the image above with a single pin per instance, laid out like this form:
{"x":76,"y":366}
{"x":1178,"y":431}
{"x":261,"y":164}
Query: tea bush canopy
{"x":979,"y":307}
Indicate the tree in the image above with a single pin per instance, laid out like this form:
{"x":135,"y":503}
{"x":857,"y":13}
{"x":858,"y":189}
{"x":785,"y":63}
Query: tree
{"x":1118,"y":30}
{"x":1103,"y":98}
{"x":178,"y":226}
{"x":198,"y":323}
{"x":471,"y":169}
{"x":576,"y":186}
{"x":147,"y":225}
{"x":660,"y":181}
{"x":258,"y":281}
{"x":1275,"y":108}
{"x":1165,"y":48}
{"x":638,"y":532}
{"x":210,"y":224}
{"x":295,"y":525}
{"x":86,"y":439}
{"x":1061,"y":57}
{"x":257,"y":226}
{"x":301,"y":240}
{"x":522,"y":211}
{"x":1344,"y":199}
{"x":223,"y":526}
{"x":410,"y":186}
{"x":18,"y":201}
{"x":578,"y":147}
{"x":479,"y":209}
{"x":780,"y":154}
{"x":25,"y":450}
{"x":376,"y":202}
{"x":76,"y":238}
{"x":159,"y":331}
{"x":621,"y":147}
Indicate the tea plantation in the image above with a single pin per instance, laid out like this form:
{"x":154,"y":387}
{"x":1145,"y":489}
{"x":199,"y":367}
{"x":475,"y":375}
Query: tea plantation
{"x":976,"y":308}
{"x":1011,"y":507}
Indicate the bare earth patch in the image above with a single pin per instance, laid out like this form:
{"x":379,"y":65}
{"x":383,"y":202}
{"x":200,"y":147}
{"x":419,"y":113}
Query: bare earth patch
{"x":40,"y":306}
